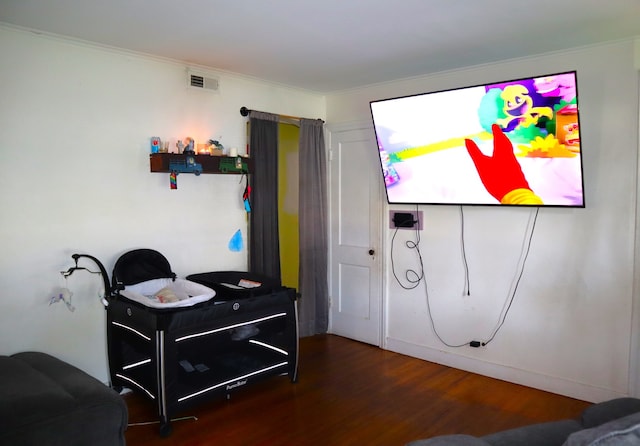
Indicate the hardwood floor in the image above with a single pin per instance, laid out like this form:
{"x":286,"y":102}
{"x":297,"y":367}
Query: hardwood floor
{"x":349,"y":393}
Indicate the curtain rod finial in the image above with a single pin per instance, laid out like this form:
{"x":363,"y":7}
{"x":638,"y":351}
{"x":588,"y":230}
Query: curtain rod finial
{"x":244,"y":111}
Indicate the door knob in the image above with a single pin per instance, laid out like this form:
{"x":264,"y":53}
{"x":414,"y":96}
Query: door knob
{"x":371,"y":252}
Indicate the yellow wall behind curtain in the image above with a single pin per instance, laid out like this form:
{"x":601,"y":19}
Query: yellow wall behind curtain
{"x":288,"y":138}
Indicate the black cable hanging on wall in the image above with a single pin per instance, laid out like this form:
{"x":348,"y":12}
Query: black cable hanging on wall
{"x":526,"y":246}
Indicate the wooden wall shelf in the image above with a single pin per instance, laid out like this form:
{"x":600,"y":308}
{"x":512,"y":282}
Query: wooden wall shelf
{"x":159,"y":162}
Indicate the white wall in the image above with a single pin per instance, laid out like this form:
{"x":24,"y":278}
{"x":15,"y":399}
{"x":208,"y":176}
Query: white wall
{"x":75,"y":123}
{"x":570,"y":327}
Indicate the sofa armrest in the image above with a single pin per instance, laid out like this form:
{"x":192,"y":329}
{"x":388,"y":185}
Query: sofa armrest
{"x":604,"y":412}
{"x":45,"y":400}
{"x":553,"y":433}
{"x":621,"y":431}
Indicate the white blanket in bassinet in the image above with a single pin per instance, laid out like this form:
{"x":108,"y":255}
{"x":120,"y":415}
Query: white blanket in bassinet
{"x":184,"y":293}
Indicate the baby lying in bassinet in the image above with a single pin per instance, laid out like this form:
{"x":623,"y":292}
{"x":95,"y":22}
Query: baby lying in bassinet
{"x":168,"y":293}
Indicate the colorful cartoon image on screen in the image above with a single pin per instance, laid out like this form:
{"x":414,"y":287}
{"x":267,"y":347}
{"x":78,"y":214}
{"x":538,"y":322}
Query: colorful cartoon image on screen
{"x":509,"y":143}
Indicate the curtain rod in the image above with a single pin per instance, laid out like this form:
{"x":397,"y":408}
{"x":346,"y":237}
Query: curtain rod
{"x":244,"y":111}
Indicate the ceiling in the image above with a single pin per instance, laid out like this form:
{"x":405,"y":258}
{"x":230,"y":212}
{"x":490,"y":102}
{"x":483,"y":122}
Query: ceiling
{"x":332,"y":45}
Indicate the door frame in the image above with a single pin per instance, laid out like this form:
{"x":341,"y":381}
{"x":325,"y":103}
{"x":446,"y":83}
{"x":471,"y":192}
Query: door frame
{"x":634,"y":351}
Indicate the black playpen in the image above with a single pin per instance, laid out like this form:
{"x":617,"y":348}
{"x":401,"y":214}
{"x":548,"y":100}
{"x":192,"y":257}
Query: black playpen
{"x":183,"y":341}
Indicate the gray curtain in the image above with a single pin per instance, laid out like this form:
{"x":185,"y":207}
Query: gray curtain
{"x":264,"y":243}
{"x":312,"y":214}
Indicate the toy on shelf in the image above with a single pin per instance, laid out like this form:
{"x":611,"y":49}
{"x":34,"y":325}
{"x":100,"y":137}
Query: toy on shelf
{"x":189,"y":146}
{"x":236,"y":165}
{"x":186,"y":165}
{"x":155,"y":144}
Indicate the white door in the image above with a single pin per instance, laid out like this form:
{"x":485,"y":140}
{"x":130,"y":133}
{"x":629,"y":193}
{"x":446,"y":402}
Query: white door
{"x":355,"y":260}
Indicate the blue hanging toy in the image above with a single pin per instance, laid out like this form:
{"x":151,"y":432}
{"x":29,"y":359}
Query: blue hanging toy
{"x":246,"y":194}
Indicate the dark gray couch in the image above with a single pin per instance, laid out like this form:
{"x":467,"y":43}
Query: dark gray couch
{"x":45,"y":401}
{"x":614,"y":422}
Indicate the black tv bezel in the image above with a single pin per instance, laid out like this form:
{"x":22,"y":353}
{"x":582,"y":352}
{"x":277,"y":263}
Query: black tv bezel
{"x":462,"y":203}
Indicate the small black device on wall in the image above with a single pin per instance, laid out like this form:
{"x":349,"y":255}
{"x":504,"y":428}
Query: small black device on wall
{"x":405,"y":220}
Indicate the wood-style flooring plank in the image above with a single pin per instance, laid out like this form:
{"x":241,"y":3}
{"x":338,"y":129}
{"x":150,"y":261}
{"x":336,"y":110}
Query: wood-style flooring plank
{"x":350,"y":393}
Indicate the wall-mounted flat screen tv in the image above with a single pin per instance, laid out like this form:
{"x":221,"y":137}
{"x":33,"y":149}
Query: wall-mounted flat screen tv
{"x":513,"y":142}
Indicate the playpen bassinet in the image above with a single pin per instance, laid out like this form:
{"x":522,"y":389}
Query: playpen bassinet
{"x":201,"y":343}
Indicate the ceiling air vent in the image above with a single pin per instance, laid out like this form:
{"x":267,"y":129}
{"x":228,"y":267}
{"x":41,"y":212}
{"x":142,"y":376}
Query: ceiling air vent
{"x":204,"y":83}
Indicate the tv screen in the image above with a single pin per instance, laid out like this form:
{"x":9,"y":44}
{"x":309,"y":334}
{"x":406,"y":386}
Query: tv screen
{"x":513,"y":142}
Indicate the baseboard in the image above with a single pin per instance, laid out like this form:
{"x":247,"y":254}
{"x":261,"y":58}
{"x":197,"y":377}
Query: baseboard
{"x":551,"y":384}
